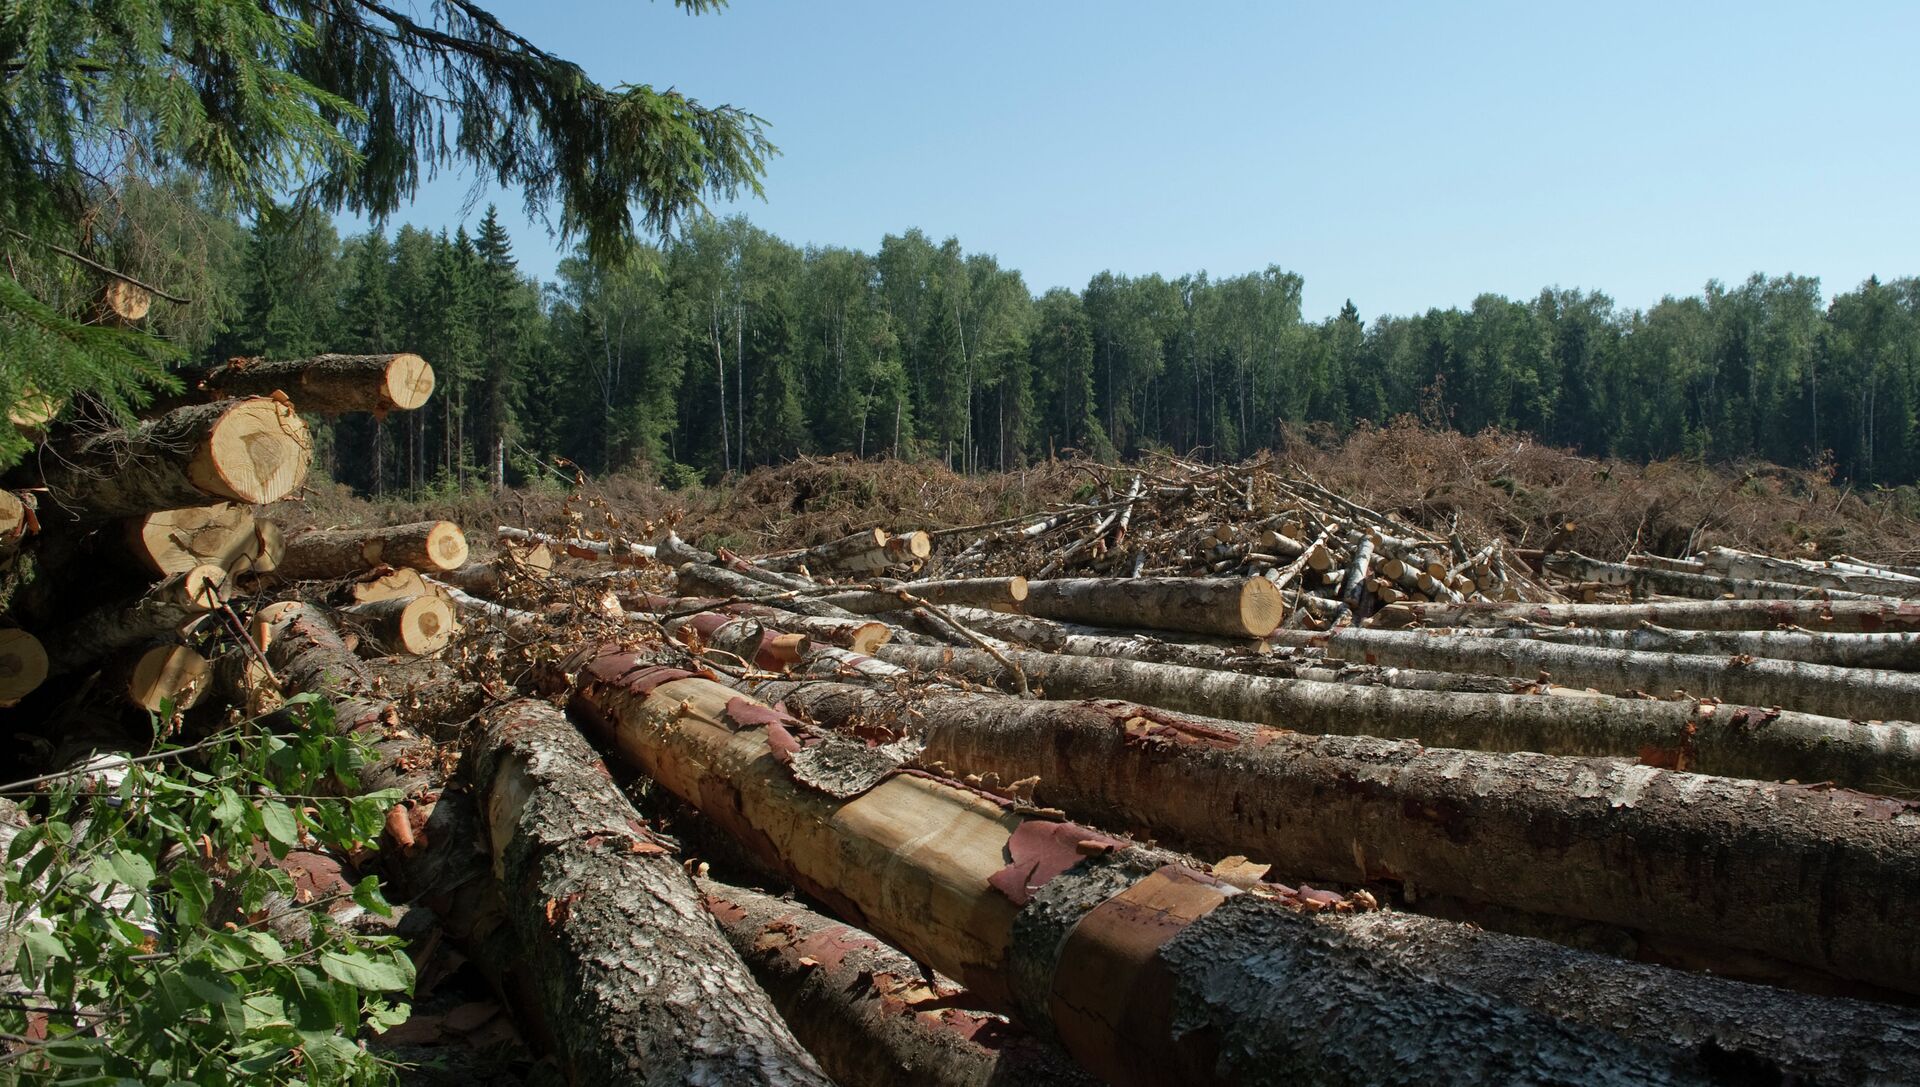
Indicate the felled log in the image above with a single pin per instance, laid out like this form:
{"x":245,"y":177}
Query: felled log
{"x":1725,"y":740}
{"x":1860,"y":693}
{"x":626,"y":554}
{"x":1836,"y":616}
{"x":1728,"y":562}
{"x":1236,"y":607}
{"x":1685,"y":857}
{"x":1647,"y":581}
{"x":1895,"y":652}
{"x":1108,"y":952}
{"x":23,"y":665}
{"x":155,"y":616}
{"x":34,"y":410}
{"x":14,"y":521}
{"x":871,"y":1015}
{"x":701,"y":579}
{"x":862,"y":551}
{"x":751,"y":640}
{"x":632,"y":979}
{"x":167,"y":673}
{"x":127,"y":302}
{"x":305,"y":650}
{"x":169,"y":541}
{"x":384,"y":583}
{"x":909,"y":548}
{"x":330,"y":384}
{"x":248,"y":450}
{"x":858,"y":634}
{"x":430,"y":546}
{"x":995,"y":593}
{"x":415,"y":625}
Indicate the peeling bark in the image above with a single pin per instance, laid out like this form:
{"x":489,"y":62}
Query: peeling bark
{"x":1679,"y":855}
{"x":1730,"y":741}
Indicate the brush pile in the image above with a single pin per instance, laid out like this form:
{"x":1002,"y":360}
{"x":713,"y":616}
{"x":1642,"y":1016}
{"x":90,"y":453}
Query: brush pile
{"x":1209,"y":775}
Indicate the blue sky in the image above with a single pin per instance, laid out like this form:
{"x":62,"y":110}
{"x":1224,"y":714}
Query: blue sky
{"x":1403,"y":155}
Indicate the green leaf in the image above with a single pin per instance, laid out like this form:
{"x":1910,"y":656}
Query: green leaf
{"x":366,"y":972}
{"x":24,"y":841}
{"x":280,"y":825}
{"x":132,"y":870}
{"x":228,"y":808}
{"x":367,"y":894}
{"x":193,"y":892}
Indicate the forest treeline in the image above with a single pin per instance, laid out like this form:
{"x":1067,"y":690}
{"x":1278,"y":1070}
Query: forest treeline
{"x":729,"y":348}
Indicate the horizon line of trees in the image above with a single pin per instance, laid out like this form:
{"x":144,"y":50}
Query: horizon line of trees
{"x":727,"y":348}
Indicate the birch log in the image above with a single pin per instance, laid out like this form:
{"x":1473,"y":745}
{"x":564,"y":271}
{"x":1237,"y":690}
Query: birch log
{"x":630,"y":975}
{"x":1694,"y":859}
{"x":1895,"y":652}
{"x":330,"y":384}
{"x":1858,"y":693}
{"x":249,"y":450}
{"x":429,"y":546}
{"x":1837,"y":616}
{"x":1647,"y":581}
{"x":1731,"y":741}
{"x":860,"y":551}
{"x":871,"y":1015}
{"x":1727,"y":562}
{"x":1235,"y":607}
{"x":1148,"y":970}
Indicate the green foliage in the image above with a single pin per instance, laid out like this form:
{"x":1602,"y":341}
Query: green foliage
{"x":344,"y":102}
{"x":139,"y":917}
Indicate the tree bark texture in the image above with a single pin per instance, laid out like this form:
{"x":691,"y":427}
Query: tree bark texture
{"x":430,"y":546}
{"x":330,"y":384}
{"x":873,"y":1016}
{"x":1893,"y":652}
{"x":1730,"y":741}
{"x":1148,"y":970}
{"x":1234,"y":607}
{"x":1858,"y":693}
{"x":1680,"y":855}
{"x":1648,"y":581}
{"x":1837,"y":616}
{"x":250,"y":450}
{"x":634,"y":982}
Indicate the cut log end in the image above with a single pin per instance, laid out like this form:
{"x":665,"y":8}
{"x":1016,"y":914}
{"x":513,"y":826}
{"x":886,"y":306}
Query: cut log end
{"x":169,"y":673}
{"x":13,"y":515}
{"x":172,"y":541}
{"x":1262,"y":608}
{"x":34,"y":409}
{"x":419,"y":626}
{"x":408,"y":381}
{"x":258,"y":452}
{"x":446,"y":546}
{"x":869,"y":637}
{"x":23,"y":665}
{"x":127,"y":301}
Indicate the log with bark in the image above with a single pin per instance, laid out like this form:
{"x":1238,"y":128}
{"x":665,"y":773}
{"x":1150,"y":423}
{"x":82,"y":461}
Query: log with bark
{"x":1859,"y":693}
{"x":1235,"y":607}
{"x":415,"y":625}
{"x":873,"y":1016}
{"x":247,"y":450}
{"x":1727,"y":562}
{"x":1647,"y":581}
{"x":1894,"y":652}
{"x":1836,"y":616}
{"x":1696,"y":861}
{"x":858,"y":634}
{"x":1731,"y":741}
{"x":330,"y":384}
{"x":158,"y":615}
{"x":860,"y":552}
{"x":430,"y":546}
{"x":619,"y":554}
{"x":1147,"y":969}
{"x":631,"y":978}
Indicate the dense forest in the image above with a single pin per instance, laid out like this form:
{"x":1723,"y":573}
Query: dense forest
{"x":729,"y":347}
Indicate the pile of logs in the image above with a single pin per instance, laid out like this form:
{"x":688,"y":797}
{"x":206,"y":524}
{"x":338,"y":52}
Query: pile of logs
{"x":125,"y":548}
{"x":1213,"y":776}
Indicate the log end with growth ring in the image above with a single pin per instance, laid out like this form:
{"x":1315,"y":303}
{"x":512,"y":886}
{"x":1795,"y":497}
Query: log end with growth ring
{"x":34,"y":409}
{"x":13,"y":515}
{"x":425,"y":626}
{"x":408,"y":381}
{"x":23,"y":665}
{"x":127,"y":301}
{"x":258,"y":452}
{"x":446,"y":546}
{"x":200,"y":588}
{"x":169,"y":673}
{"x":170,"y":541}
{"x":1262,"y":608}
